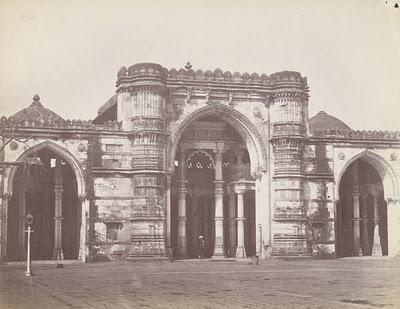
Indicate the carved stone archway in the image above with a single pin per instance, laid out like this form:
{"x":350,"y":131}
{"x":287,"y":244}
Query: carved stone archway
{"x":59,"y":150}
{"x":8,"y":189}
{"x":247,"y":131}
{"x":391,"y":193}
{"x":256,"y":148}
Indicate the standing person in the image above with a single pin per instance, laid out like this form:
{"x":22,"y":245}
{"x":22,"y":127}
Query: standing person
{"x":201,"y":246}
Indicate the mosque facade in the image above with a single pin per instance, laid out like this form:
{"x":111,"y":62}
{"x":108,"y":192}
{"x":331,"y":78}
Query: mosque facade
{"x":185,"y":164}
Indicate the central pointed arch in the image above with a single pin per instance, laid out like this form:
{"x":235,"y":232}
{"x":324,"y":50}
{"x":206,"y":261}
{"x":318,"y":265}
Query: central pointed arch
{"x":247,"y":131}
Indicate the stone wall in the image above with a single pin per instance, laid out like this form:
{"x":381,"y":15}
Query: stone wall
{"x":122,"y":165}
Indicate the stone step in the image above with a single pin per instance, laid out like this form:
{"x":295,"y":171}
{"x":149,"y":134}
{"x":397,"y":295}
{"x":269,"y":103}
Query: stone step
{"x":147,"y":258}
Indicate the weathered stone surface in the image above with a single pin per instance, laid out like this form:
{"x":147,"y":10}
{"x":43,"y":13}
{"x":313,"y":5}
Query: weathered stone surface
{"x":254,"y":135}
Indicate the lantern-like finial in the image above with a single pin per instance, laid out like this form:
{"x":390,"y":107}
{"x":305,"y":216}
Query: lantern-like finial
{"x":188,"y":65}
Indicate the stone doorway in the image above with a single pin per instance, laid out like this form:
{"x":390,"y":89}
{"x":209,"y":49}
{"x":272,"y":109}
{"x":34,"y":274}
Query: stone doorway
{"x":361,"y":212}
{"x":49,"y":192}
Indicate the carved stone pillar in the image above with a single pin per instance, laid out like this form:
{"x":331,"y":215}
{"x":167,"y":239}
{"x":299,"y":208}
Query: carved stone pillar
{"x":240,"y":250}
{"x":356,"y":211}
{"x":219,"y":204}
{"x":232,"y":224}
{"x":182,"y":233}
{"x":206,"y":222}
{"x":195,"y":224}
{"x":239,"y":156}
{"x":3,"y":225}
{"x":376,"y":246}
{"x":58,"y":190}
{"x":168,"y":206}
{"x":21,"y":221}
{"x":83,"y":245}
{"x":364,"y":220}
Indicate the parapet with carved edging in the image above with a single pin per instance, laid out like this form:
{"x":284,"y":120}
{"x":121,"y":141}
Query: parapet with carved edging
{"x":358,"y":134}
{"x":74,"y":123}
{"x":153,"y":70}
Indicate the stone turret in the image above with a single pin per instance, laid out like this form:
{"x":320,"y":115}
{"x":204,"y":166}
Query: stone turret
{"x":289,"y":127}
{"x":141,"y":109}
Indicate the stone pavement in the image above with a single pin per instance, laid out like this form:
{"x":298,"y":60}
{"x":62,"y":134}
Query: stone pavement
{"x":345,"y":283}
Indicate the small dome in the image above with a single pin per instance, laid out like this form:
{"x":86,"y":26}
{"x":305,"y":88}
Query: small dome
{"x":37,"y":113}
{"x":323,"y":121}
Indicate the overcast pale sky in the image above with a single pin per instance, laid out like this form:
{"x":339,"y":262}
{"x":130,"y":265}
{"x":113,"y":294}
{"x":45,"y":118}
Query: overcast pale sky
{"x":69,"y":52}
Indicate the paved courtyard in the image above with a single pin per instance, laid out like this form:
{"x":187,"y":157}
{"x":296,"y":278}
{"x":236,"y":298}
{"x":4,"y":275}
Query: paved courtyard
{"x":345,"y":283}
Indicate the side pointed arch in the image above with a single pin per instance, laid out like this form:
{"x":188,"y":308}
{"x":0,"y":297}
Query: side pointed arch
{"x":383,"y":167}
{"x":63,"y":153}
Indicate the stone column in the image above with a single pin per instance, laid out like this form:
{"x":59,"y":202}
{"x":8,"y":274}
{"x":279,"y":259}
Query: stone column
{"x":206,"y":222}
{"x":376,"y":246}
{"x":356,"y":211}
{"x":263,"y":214}
{"x":240,"y":250}
{"x":83,"y":244}
{"x":219,"y":204}
{"x":239,"y":156}
{"x":195,"y":225}
{"x":232,"y":224}
{"x":58,"y":190}
{"x":168,"y":206}
{"x":3,"y":223}
{"x":364,"y":222}
{"x":182,"y":219}
{"x":21,"y":221}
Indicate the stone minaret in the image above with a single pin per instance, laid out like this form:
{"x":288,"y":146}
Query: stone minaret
{"x":289,"y":119}
{"x":141,"y":111}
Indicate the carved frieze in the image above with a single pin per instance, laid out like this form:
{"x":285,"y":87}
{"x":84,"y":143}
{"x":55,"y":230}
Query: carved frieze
{"x":148,"y":157}
{"x":147,"y":181}
{"x":140,"y":123}
{"x":147,"y":138}
{"x":285,"y":144}
{"x":289,"y":129}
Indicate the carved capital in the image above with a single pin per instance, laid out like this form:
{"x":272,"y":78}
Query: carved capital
{"x":81,"y":197}
{"x":219,"y":149}
{"x":391,"y":202}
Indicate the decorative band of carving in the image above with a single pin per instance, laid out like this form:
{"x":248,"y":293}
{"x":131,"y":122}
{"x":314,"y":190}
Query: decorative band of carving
{"x":289,"y":129}
{"x":8,"y":123}
{"x":356,"y":134}
{"x":286,"y":96}
{"x":284,"y":144}
{"x":147,"y":123}
{"x":132,"y":88}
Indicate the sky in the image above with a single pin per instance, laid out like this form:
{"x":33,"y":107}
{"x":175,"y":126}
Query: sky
{"x":69,"y":52}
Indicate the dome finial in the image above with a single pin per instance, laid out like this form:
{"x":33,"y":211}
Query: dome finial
{"x":36,"y":100}
{"x":188,"y":65}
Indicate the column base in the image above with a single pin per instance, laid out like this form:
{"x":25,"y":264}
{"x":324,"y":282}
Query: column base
{"x":218,"y":257}
{"x":240,"y":252}
{"x":58,"y":254}
{"x":22,"y":254}
{"x":358,"y":251}
{"x":218,"y":252}
{"x":182,"y":253}
{"x":376,"y":247}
